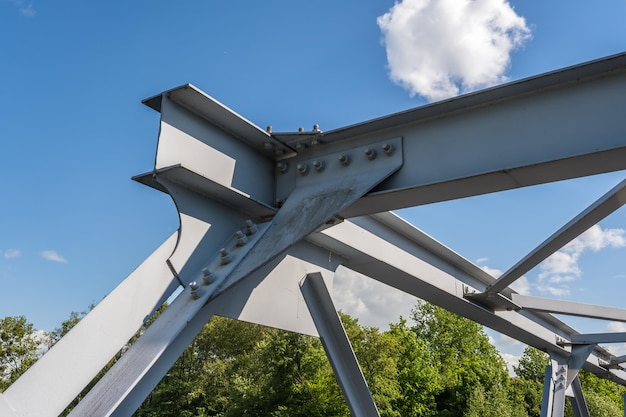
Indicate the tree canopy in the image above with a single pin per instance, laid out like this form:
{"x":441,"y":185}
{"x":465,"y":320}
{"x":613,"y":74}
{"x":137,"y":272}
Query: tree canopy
{"x":434,"y":364}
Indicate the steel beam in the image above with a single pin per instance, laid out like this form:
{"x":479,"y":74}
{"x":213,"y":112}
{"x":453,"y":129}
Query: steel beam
{"x":337,"y":347}
{"x":388,"y":249}
{"x":579,"y":405}
{"x":122,"y":390}
{"x":605,"y":205}
{"x":61,"y":374}
{"x":570,"y":308}
{"x":594,"y":338}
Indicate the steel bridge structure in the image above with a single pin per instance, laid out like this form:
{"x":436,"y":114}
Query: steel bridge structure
{"x":260,"y":212}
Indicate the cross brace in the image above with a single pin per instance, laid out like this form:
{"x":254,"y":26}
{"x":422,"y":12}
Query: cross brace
{"x":220,"y":170}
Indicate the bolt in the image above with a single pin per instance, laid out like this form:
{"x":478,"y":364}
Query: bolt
{"x":241,"y":238}
{"x":207,"y":277}
{"x":279,"y":203}
{"x":370,"y":153}
{"x":318,"y":165}
{"x":195,"y":294}
{"x":387,"y":148}
{"x":225,"y":257}
{"x":316,"y":128}
{"x":344,"y":160}
{"x":303,"y":169}
{"x":268,"y":145}
{"x":282,"y":167}
{"x":300,"y":129}
{"x":250,"y":228}
{"x":269,"y":129}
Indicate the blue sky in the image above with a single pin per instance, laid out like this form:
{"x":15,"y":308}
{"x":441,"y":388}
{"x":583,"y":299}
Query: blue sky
{"x":73,"y":130}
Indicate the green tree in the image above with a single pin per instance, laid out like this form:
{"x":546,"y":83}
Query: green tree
{"x":465,"y":357}
{"x":418,"y":375}
{"x":532,"y":365}
{"x":18,"y":349}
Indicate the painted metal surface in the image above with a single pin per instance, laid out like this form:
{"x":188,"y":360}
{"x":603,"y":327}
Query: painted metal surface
{"x":605,"y":205}
{"x":571,"y":308}
{"x":220,"y":170}
{"x":337,"y":347}
{"x":60,"y":375}
{"x":388,"y":249}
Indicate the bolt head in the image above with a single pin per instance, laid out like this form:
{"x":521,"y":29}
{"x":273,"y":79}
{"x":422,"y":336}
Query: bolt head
{"x":370,"y":153}
{"x":344,"y":160}
{"x":387,"y":148}
{"x":302,"y":168}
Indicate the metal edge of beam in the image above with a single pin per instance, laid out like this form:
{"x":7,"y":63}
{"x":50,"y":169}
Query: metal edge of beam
{"x":550,"y":80}
{"x":338,"y":243}
{"x":337,"y":346}
{"x":570,"y":308}
{"x":595,"y":338}
{"x":600,"y":209}
{"x":196,"y":101}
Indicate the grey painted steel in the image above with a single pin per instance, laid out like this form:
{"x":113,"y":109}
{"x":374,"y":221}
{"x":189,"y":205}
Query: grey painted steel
{"x":571,"y":308}
{"x":390,"y":250}
{"x":560,"y":371}
{"x":337,"y":346}
{"x":577,"y":359}
{"x":579,"y":404}
{"x":593,"y":338}
{"x":547,"y":396}
{"x":122,"y":390}
{"x":569,"y":124}
{"x":605,"y":205}
{"x":61,"y":374}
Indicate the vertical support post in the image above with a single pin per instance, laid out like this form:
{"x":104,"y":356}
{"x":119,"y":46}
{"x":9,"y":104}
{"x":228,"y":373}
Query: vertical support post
{"x":554,"y":387}
{"x":560,"y":386}
{"x":578,"y":400}
{"x":548,"y":392}
{"x":337,"y":347}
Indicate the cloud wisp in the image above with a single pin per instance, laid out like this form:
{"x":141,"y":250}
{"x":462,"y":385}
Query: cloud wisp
{"x":439,"y":49}
{"x":26,"y":9}
{"x":11,"y":253}
{"x":562,"y":267}
{"x":53,"y":256}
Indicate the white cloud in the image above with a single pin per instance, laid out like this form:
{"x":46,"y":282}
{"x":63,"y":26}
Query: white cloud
{"x":441,"y":48}
{"x":12,"y":253}
{"x":481,"y":260}
{"x":51,"y":255}
{"x":373,"y":303}
{"x":26,"y":9}
{"x":562,"y":267}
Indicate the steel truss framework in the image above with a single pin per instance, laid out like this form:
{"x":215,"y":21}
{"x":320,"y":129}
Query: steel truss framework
{"x":260,"y":212}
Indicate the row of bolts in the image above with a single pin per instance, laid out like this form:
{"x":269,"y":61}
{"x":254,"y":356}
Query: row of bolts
{"x":225,"y":258}
{"x":343,"y":159}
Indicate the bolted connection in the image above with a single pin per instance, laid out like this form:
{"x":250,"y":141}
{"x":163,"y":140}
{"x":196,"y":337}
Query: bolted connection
{"x":195,"y":293}
{"x":225,"y":257}
{"x":370,"y":154}
{"x":207,"y":277}
{"x":388,"y":148}
{"x":282,"y":167}
{"x":250,"y":228}
{"x":241,"y":238}
{"x":303,"y":169}
{"x":344,"y":160}
{"x":318,"y":165}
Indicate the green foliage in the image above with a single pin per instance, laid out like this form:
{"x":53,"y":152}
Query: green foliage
{"x":18,"y":349}
{"x":442,"y":365}
{"x":532,"y":365}
{"x":465,"y":357}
